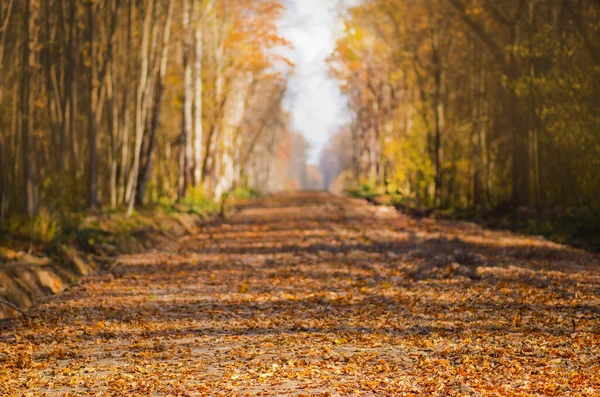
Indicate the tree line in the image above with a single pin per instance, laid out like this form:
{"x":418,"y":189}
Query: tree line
{"x":473,"y":103}
{"x":115,"y":103}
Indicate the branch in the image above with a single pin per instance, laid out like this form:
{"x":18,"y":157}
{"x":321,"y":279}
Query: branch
{"x":264,"y":123}
{"x":4,"y":29}
{"x":207,"y":9}
{"x":478,"y":29}
{"x":8,"y":13}
{"x":14,"y":307}
{"x":498,"y":15}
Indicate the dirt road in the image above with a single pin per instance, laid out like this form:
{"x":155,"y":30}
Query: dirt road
{"x":310,"y":294}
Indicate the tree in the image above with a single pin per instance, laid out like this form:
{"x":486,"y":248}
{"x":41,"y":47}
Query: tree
{"x":92,"y":102}
{"x":477,"y":104}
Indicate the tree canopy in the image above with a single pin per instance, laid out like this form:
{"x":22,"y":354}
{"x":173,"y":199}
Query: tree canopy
{"x":474,"y":103}
{"x":117,"y":103}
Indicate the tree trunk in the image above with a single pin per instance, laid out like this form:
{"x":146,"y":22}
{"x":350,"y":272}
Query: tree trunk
{"x":211,"y":155}
{"x":27,"y":157}
{"x":113,"y":126}
{"x":3,"y":169}
{"x":74,"y":105}
{"x":125,"y":163}
{"x":199,"y":138}
{"x":140,"y":106}
{"x":187,"y":98}
{"x":439,"y":123}
{"x":91,"y":121}
{"x":520,"y":151}
{"x":156,"y":109}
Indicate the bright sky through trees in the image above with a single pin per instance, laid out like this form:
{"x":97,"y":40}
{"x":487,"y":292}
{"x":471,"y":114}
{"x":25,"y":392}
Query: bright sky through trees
{"x":317,"y":107}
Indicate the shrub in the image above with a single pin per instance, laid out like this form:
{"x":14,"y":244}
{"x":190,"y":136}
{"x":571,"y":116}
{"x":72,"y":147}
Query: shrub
{"x":364,"y":190}
{"x":197,"y":201}
{"x":244,"y":193}
{"x":44,"y":228}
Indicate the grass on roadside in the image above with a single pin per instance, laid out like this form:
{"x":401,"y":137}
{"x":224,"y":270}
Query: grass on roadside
{"x":51,"y":229}
{"x":578,"y":227}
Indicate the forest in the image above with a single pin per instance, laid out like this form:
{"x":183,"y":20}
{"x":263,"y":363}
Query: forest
{"x":113,"y":104}
{"x":478,"y":106}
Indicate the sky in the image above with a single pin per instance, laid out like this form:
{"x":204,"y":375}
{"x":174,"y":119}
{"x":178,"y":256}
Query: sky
{"x":317,"y":107}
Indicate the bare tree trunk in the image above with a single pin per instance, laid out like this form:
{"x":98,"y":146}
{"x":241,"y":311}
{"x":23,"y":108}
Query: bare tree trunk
{"x":235,"y":115}
{"x":520,"y":151}
{"x":91,"y":121}
{"x":156,"y":108}
{"x":438,"y":110}
{"x":74,"y":109}
{"x":139,"y":106}
{"x":3,"y":169}
{"x":127,"y":110}
{"x":439,"y":123}
{"x":67,"y":84}
{"x":198,"y":138}
{"x":70,"y":87}
{"x":211,"y":157}
{"x":5,"y":20}
{"x":27,"y":157}
{"x":48,"y":60}
{"x":113,"y":126}
{"x":187,"y":131}
{"x":181,"y":163}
